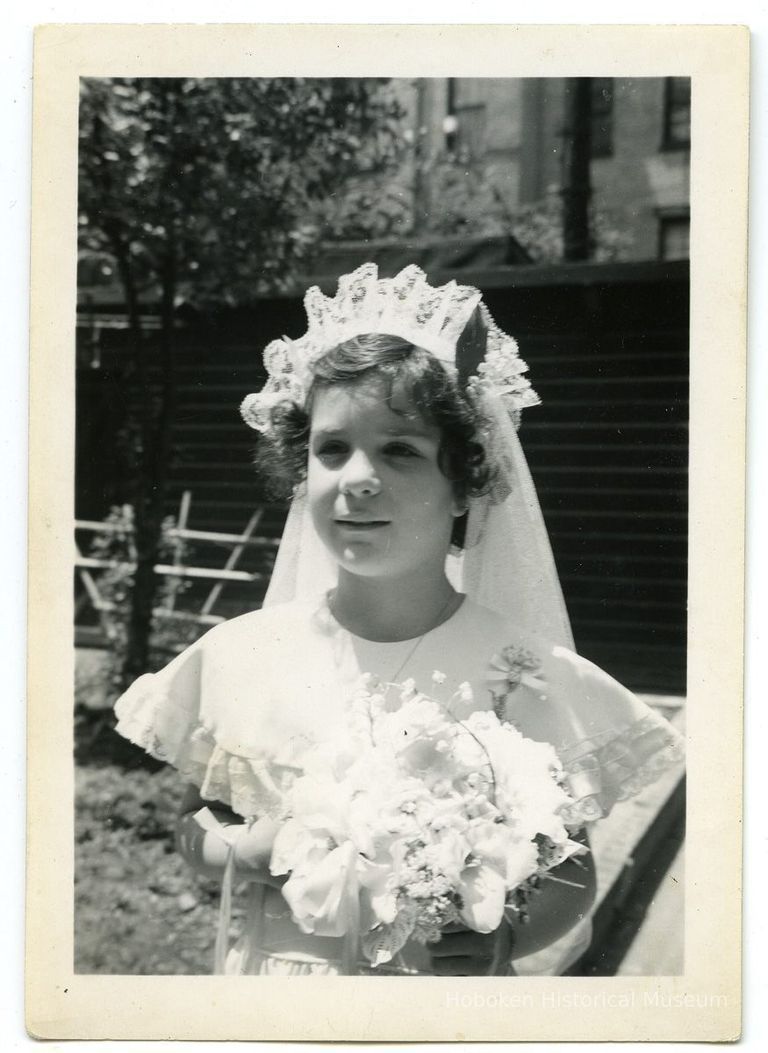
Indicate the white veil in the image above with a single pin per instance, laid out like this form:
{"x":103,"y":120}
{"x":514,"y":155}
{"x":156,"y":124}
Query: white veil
{"x":506,"y":564}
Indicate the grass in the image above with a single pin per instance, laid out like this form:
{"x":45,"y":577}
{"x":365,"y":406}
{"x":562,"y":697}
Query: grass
{"x":139,"y":908}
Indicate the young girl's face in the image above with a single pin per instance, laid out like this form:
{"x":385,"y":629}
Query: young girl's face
{"x":378,"y":498}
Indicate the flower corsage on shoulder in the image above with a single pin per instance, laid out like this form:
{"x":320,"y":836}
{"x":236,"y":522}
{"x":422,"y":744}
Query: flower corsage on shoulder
{"x":508,"y":670}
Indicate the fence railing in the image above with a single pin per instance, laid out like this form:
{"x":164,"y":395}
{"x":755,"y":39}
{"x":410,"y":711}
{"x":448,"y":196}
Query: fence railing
{"x":92,"y":594}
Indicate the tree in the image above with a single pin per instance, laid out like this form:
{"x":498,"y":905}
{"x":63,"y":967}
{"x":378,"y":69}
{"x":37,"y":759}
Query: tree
{"x":205,"y":191}
{"x":475,"y":202}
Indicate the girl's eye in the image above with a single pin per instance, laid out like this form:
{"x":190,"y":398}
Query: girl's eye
{"x":330,"y":450}
{"x":400,"y":449}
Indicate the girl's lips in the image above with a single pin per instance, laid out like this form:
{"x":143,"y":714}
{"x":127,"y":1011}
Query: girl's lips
{"x":362,"y":524}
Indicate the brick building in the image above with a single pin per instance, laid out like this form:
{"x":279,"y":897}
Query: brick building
{"x":515,"y":131}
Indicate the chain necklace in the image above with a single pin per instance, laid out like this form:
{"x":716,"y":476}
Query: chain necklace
{"x":442,"y":617}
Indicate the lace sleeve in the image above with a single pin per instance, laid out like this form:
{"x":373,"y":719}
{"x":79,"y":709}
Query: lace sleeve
{"x":610,"y":742}
{"x":162,"y":713}
{"x":619,"y":763}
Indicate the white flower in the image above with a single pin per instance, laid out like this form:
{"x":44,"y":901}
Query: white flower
{"x":408,"y":814}
{"x":465,"y":692}
{"x":511,"y":668}
{"x":320,"y":896}
{"x":483,"y":892}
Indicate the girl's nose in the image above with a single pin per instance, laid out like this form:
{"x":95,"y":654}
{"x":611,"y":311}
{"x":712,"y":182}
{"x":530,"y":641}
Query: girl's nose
{"x":359,"y":477}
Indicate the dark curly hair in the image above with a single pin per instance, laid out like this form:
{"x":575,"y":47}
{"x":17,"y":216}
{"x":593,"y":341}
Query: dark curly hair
{"x":282,"y":453}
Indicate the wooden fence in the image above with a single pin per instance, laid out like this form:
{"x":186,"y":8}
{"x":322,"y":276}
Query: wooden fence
{"x":92,"y":600}
{"x":607,"y":347}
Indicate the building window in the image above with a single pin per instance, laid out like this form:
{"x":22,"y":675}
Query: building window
{"x":464,"y":123}
{"x":677,"y":113}
{"x":602,"y":116}
{"x":674,"y":234}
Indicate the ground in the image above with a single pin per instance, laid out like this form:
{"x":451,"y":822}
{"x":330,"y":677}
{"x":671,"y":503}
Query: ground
{"x":139,"y":908}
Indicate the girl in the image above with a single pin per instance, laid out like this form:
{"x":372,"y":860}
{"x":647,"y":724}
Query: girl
{"x":414,"y":543}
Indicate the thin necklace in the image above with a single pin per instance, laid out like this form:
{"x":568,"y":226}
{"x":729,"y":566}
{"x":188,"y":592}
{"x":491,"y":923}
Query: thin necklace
{"x":442,"y":617}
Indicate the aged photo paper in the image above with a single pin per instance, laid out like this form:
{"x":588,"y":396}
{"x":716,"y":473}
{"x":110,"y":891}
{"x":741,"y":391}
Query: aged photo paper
{"x":703,"y":1003}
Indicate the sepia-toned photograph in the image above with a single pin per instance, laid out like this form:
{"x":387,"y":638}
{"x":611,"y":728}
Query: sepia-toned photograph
{"x":485,"y":218}
{"x":380,"y":482}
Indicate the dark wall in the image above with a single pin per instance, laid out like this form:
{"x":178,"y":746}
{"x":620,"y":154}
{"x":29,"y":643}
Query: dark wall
{"x":608,"y":449}
{"x":607,"y":348}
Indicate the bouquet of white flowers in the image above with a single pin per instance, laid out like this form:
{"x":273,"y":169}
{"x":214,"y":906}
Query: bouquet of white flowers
{"x":412,"y":820}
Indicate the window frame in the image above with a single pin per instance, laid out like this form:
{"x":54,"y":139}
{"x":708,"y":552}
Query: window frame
{"x":606,"y":148}
{"x":670,"y":142}
{"x":665,"y":218}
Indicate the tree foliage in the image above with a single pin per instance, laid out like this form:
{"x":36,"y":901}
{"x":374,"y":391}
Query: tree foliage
{"x":207,"y":191}
{"x":465,"y":197}
{"x":219,"y":180}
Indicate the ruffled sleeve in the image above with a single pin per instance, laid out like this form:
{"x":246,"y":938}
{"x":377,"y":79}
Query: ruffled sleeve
{"x":611,"y":743}
{"x":174,"y":715}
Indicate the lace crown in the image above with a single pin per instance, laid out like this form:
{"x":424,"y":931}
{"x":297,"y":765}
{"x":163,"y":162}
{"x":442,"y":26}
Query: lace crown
{"x":406,"y":306}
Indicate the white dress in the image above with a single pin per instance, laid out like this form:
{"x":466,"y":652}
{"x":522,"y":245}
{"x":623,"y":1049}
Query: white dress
{"x":232,"y":712}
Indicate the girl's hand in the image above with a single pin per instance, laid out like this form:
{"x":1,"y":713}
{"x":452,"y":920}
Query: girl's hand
{"x":463,"y":952}
{"x":253,"y":850}
{"x":207,"y":848}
